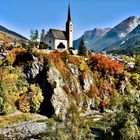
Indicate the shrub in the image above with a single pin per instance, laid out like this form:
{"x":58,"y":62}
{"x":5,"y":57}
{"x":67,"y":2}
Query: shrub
{"x":56,"y":59}
{"x":106,"y":66}
{"x":31,"y":100}
{"x":137,"y":65}
{"x":12,"y":82}
{"x":11,"y":57}
{"x":123,"y":123}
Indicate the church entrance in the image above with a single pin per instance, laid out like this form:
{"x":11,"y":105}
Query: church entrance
{"x":61,"y":46}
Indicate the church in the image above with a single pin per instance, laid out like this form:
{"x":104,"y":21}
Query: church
{"x":57,"y":39}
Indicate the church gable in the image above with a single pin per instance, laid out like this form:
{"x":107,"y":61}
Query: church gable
{"x":56,"y":39}
{"x":50,"y":40}
{"x":58,"y":34}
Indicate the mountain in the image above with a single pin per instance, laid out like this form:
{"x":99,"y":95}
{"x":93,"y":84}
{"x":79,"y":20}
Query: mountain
{"x":91,"y":36}
{"x":117,"y":33}
{"x":12,"y":34}
{"x":128,"y":45}
{"x":105,"y":39}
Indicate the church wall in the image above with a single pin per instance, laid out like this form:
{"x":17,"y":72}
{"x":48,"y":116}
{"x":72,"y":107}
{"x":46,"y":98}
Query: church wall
{"x":58,"y":41}
{"x":50,"y":41}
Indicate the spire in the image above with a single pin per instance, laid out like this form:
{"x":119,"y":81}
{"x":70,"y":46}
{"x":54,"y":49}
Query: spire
{"x":69,"y":16}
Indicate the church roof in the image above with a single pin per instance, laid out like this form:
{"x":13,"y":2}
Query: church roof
{"x":58,"y":34}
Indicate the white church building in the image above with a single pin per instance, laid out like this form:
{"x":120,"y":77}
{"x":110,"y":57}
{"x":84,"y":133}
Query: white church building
{"x":57,"y":39}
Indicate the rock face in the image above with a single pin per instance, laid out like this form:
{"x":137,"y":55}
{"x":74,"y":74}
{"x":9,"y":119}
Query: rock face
{"x":35,"y":68}
{"x":25,"y":129}
{"x":60,"y":102}
{"x":57,"y":88}
{"x":74,"y":70}
{"x":60,"y":98}
{"x":88,"y":81}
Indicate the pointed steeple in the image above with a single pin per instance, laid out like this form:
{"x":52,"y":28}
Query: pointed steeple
{"x":69,"y":15}
{"x":69,"y":29}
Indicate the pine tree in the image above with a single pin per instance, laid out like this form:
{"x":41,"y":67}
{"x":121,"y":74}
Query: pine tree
{"x":36,"y":35}
{"x":82,"y":49}
{"x":43,"y":36}
{"x":32,"y":35}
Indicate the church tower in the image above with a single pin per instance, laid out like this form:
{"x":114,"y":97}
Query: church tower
{"x":69,"y":29}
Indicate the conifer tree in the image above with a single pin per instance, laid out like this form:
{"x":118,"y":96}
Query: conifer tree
{"x":82,"y":49}
{"x":43,"y":36}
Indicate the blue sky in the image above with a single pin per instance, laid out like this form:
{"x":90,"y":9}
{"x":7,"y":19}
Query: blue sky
{"x":24,"y":15}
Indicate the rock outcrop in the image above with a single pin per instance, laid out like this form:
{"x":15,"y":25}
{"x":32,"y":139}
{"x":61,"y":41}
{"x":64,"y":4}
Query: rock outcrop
{"x":64,"y":78}
{"x":63,"y":86}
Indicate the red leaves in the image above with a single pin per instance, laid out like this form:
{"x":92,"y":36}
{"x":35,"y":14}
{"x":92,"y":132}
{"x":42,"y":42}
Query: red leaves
{"x":106,"y":66}
{"x":104,"y":73}
{"x":56,"y":58}
{"x":73,"y":60}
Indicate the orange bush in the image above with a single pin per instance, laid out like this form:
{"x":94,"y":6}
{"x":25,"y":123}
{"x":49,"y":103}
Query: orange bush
{"x":56,"y":60}
{"x":11,"y":57}
{"x":73,"y":60}
{"x":93,"y":91}
{"x":104,"y":65}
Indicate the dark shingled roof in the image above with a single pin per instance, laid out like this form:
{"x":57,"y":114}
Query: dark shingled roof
{"x":58,"y":34}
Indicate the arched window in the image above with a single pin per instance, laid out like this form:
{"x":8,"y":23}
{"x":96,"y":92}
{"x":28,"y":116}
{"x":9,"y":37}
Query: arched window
{"x":61,"y":46}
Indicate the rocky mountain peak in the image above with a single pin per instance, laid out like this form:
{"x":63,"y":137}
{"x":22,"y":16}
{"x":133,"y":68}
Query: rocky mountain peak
{"x":96,"y":32}
{"x":127,"y":25}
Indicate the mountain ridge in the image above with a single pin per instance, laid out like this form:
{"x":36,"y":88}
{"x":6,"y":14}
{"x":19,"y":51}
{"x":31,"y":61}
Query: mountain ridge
{"x":128,"y":45}
{"x":91,"y":36}
{"x":12,"y":34}
{"x":114,"y":35}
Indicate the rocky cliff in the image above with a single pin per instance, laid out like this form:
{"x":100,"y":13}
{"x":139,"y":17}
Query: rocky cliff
{"x":62,"y":79}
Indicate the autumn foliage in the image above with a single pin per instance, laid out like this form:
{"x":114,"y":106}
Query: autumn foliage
{"x":58,"y":60}
{"x":104,"y":72}
{"x":11,"y":57}
{"x":105,"y":65}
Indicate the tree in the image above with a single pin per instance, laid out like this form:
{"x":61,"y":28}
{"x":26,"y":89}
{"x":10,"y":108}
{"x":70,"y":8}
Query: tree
{"x":123,"y":123}
{"x":82,"y":49}
{"x":137,"y":65}
{"x":34,"y":35}
{"x":43,"y":36}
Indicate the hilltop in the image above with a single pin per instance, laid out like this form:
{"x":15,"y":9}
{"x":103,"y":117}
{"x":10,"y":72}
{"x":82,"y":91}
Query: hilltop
{"x":12,"y":34}
{"x":4,"y":38}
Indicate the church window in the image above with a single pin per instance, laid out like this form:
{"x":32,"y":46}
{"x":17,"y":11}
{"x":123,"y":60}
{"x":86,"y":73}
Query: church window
{"x":61,"y":46}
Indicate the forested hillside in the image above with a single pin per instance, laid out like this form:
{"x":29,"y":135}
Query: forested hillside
{"x":94,"y":91}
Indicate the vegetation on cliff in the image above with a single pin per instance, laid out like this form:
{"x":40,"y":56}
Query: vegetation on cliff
{"x":73,"y":88}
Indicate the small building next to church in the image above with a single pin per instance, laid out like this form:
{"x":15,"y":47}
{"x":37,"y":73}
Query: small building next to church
{"x":57,"y":39}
